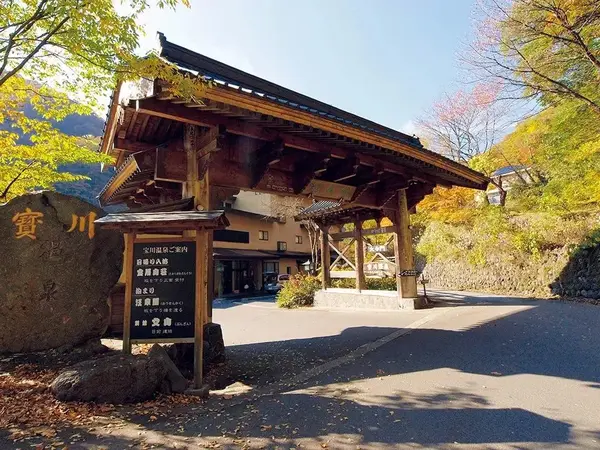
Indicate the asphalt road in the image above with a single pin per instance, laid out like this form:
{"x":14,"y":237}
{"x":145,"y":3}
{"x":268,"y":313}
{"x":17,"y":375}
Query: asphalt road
{"x":479,"y":372}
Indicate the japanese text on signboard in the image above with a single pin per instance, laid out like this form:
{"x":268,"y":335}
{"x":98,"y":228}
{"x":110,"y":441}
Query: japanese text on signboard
{"x":163,"y":291}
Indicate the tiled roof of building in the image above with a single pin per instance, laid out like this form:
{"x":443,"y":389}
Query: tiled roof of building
{"x":224,"y":74}
{"x":508,"y":169}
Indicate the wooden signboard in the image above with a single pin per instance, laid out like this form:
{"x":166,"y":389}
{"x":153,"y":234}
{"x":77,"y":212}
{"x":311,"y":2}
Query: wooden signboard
{"x":163,"y":292}
{"x":166,"y":279}
{"x":328,"y":190}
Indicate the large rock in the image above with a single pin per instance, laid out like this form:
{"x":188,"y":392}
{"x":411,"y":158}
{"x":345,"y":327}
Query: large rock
{"x":176,"y":383}
{"x":56,"y":272}
{"x":213,"y":352}
{"x":114,"y":379}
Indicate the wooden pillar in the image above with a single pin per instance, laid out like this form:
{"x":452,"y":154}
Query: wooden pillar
{"x":405,"y":266}
{"x":325,"y":258}
{"x":201,"y":293}
{"x":359,"y":256}
{"x":203,"y":203}
{"x":197,"y":185}
{"x":128,"y":262}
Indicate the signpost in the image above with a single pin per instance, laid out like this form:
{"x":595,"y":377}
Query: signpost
{"x":166,"y":278}
{"x":163,"y":291}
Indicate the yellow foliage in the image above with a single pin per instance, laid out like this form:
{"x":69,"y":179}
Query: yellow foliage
{"x":453,"y":205}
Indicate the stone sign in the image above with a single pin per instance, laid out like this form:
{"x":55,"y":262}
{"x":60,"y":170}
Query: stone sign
{"x":56,"y":271}
{"x":163,"y":291}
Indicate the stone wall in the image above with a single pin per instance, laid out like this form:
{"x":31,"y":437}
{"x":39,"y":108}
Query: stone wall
{"x":350,"y":298}
{"x":557,"y":272}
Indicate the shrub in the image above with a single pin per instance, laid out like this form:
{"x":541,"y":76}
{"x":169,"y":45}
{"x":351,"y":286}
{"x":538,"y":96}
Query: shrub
{"x":382,"y":284}
{"x":298,"y":291}
{"x":374,"y":284}
{"x":345,"y":283}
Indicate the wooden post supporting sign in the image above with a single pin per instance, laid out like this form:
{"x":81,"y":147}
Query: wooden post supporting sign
{"x":129,"y":239}
{"x":201,"y":295}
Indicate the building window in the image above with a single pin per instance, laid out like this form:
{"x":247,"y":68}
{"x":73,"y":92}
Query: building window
{"x":263,"y":235}
{"x":289,"y":270}
{"x":298,"y":239}
{"x":241,"y":237}
{"x":281,"y":246}
{"x":270,"y":267}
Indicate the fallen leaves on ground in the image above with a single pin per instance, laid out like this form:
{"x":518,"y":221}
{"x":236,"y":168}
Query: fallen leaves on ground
{"x":28,"y":408}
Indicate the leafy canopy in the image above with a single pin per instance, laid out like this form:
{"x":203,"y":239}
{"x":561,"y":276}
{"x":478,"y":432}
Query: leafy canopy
{"x":543,"y":49}
{"x":61,"y":57}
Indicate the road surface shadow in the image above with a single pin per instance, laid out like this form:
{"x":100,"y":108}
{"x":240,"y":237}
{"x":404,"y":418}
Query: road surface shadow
{"x":544,"y":339}
{"x":283,"y":421}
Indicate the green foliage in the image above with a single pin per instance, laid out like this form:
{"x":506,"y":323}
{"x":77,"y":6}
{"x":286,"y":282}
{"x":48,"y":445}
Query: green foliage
{"x":382,"y":284}
{"x":561,"y":145}
{"x":591,"y":241}
{"x":61,"y":57}
{"x":373,"y":284}
{"x":546,"y":51}
{"x":343,"y":283}
{"x":298,"y":291}
{"x":555,"y":48}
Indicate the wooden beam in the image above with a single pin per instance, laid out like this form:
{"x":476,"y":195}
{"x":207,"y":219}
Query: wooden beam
{"x":263,"y":158}
{"x":264,"y":106}
{"x":209,"y":143}
{"x":367,"y":232}
{"x":128,"y":262}
{"x":232,"y":174}
{"x":341,"y":254}
{"x":340,"y":170}
{"x":180,"y":113}
{"x":131,"y":146}
{"x":199,"y":311}
{"x":111,"y":122}
{"x":306,"y":170}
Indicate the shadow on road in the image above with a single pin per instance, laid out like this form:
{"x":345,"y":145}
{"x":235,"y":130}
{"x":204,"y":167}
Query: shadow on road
{"x":342,"y":423}
{"x":542,"y":338}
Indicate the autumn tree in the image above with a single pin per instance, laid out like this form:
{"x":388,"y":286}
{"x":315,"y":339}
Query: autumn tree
{"x":61,"y":57}
{"x":469,"y":123}
{"x":542,"y":49}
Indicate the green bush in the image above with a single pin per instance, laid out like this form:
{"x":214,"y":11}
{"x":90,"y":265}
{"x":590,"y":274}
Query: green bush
{"x":382,"y":284}
{"x":374,"y":284}
{"x":298,"y":291}
{"x":345,"y":283}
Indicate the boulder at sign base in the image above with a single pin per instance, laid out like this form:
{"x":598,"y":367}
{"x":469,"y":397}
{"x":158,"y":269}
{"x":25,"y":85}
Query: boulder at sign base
{"x":57,"y":269}
{"x":113,"y":379}
{"x":176,"y":382}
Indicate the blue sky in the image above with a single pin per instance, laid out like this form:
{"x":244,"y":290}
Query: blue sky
{"x":386,"y":60}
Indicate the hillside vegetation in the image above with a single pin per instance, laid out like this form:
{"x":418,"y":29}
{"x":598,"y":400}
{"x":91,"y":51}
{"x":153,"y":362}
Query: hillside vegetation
{"x":543,"y":237}
{"x":525,"y":245}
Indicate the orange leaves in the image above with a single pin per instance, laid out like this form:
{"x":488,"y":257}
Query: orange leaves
{"x":28,"y":408}
{"x":454,"y":205}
